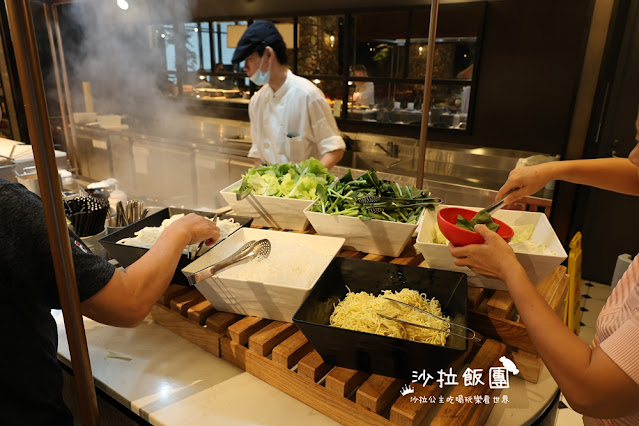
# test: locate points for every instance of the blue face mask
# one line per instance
(260, 77)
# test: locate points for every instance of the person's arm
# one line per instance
(613, 174)
(130, 294)
(330, 159)
(591, 382)
(257, 162)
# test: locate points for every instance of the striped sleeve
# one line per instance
(623, 347)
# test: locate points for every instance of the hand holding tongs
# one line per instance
(490, 209)
(193, 254)
(474, 336)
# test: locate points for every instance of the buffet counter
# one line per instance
(166, 380)
(172, 368)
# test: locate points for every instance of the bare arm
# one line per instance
(130, 294)
(592, 383)
(330, 159)
(257, 162)
(613, 174)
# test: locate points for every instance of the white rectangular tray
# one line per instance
(271, 288)
(272, 212)
(538, 266)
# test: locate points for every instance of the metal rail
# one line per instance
(58, 81)
(428, 83)
(31, 83)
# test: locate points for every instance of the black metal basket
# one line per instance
(374, 353)
(126, 255)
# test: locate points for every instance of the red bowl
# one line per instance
(447, 218)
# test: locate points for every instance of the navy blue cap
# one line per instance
(259, 33)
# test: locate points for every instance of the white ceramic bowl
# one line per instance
(372, 236)
(271, 288)
(537, 265)
(272, 212)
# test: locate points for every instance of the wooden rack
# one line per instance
(279, 354)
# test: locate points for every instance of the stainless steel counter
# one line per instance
(186, 162)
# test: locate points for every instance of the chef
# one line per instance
(364, 90)
(290, 117)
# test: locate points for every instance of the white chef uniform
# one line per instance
(292, 124)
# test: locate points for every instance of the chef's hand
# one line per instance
(494, 259)
(529, 179)
(197, 229)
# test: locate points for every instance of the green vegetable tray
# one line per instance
(371, 236)
(268, 211)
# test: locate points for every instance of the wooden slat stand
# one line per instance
(279, 354)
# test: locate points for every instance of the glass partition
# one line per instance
(370, 65)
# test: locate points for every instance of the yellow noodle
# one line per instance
(358, 311)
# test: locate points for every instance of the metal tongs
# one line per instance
(386, 203)
(474, 336)
(373, 199)
(253, 249)
(491, 208)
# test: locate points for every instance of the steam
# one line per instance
(121, 54)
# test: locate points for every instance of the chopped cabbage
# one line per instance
(287, 180)
(522, 232)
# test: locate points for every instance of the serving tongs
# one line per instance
(492, 208)
(243, 192)
(259, 249)
(474, 336)
(373, 199)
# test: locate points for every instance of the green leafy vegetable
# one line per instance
(340, 198)
(482, 217)
(288, 180)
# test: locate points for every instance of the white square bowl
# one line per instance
(372, 236)
(272, 288)
(268, 211)
(538, 266)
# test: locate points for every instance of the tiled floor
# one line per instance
(593, 297)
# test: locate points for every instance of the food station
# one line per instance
(268, 317)
(245, 333)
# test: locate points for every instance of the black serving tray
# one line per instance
(126, 255)
(373, 353)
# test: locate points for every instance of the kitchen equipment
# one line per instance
(127, 212)
(87, 215)
(273, 288)
(28, 178)
(492, 208)
(473, 337)
(372, 236)
(91, 242)
(249, 251)
(274, 212)
(540, 254)
(16, 156)
(381, 208)
(126, 255)
(447, 218)
(374, 353)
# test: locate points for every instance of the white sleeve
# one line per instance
(325, 132)
(254, 152)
